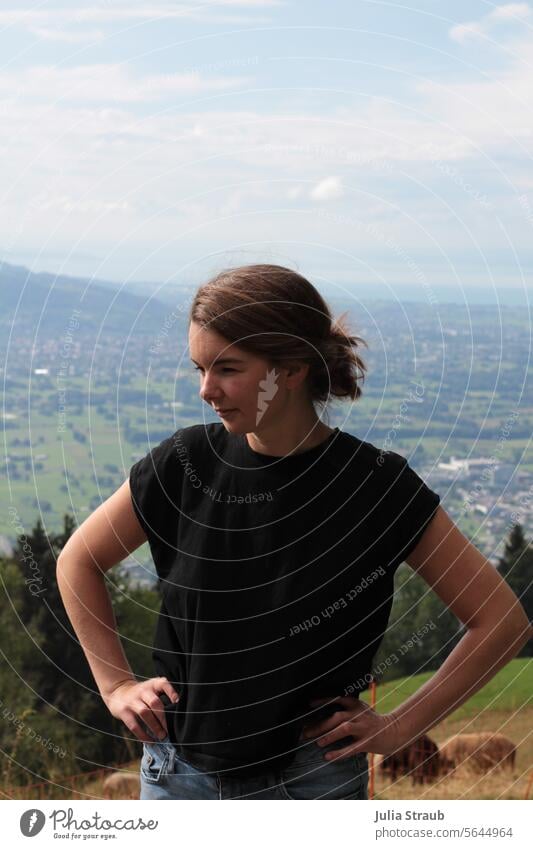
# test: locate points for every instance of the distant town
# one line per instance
(89, 389)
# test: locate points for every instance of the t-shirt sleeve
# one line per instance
(155, 494)
(408, 506)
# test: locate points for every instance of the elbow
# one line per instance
(511, 624)
(61, 571)
(64, 572)
(61, 564)
(72, 565)
(520, 621)
(526, 631)
(517, 630)
(524, 634)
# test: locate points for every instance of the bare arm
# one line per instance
(105, 538)
(497, 626)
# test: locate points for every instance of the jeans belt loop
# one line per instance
(172, 757)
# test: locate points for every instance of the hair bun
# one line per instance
(277, 314)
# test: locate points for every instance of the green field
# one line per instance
(502, 706)
(509, 690)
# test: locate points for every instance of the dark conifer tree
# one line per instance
(516, 566)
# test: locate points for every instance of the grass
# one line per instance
(465, 783)
(509, 690)
(503, 705)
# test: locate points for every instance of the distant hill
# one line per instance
(16, 277)
(43, 301)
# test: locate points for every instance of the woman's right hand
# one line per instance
(132, 701)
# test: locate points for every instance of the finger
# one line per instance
(324, 726)
(317, 704)
(346, 709)
(341, 730)
(138, 732)
(346, 752)
(165, 685)
(150, 720)
(131, 723)
(157, 709)
(351, 711)
(154, 701)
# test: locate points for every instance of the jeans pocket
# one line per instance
(361, 767)
(155, 762)
(309, 776)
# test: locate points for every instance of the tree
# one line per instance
(516, 566)
(421, 633)
(44, 668)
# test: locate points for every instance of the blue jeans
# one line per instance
(165, 775)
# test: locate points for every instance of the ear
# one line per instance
(297, 372)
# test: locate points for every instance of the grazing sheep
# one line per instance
(420, 759)
(482, 750)
(122, 785)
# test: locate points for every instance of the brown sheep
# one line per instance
(424, 760)
(482, 750)
(122, 785)
(420, 759)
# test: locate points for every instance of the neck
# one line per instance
(288, 437)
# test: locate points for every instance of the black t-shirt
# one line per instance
(277, 578)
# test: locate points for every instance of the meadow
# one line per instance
(503, 705)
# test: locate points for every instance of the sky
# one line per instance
(357, 142)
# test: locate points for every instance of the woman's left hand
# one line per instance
(372, 732)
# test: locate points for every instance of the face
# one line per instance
(249, 392)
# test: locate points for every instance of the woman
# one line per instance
(276, 539)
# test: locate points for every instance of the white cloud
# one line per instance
(493, 114)
(510, 12)
(89, 83)
(68, 204)
(329, 188)
(116, 12)
(77, 152)
(461, 32)
(67, 36)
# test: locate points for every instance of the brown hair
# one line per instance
(275, 313)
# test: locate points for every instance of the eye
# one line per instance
(226, 368)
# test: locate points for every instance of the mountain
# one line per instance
(45, 303)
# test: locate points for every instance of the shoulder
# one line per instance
(386, 464)
(388, 473)
(377, 457)
(197, 437)
(191, 444)
(190, 436)
(369, 459)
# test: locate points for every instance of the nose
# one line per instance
(209, 390)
